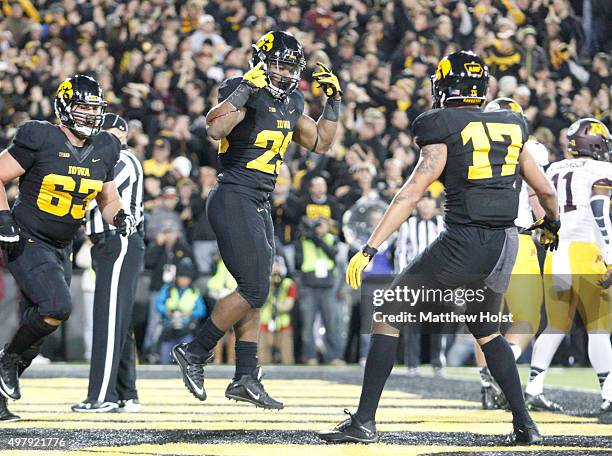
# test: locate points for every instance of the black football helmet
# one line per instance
(589, 138)
(274, 49)
(77, 92)
(461, 78)
(504, 103)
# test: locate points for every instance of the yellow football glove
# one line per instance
(327, 81)
(256, 77)
(549, 238)
(357, 264)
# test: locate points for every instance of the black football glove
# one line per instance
(125, 223)
(549, 238)
(606, 281)
(9, 233)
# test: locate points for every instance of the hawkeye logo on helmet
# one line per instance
(65, 90)
(474, 69)
(444, 68)
(265, 44)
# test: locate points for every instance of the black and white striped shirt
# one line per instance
(415, 235)
(129, 181)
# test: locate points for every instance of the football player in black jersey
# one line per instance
(477, 156)
(61, 168)
(258, 115)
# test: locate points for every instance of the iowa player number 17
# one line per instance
(481, 134)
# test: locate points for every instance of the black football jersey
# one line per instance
(60, 179)
(481, 169)
(251, 155)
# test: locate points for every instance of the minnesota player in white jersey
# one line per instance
(573, 274)
(525, 293)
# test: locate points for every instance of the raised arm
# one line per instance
(318, 136)
(222, 118)
(429, 167)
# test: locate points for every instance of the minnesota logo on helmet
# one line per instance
(590, 138)
(283, 59)
(504, 103)
(460, 78)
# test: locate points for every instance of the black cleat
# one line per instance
(249, 389)
(9, 375)
(497, 395)
(351, 430)
(89, 406)
(192, 367)
(541, 403)
(5, 415)
(527, 434)
(606, 406)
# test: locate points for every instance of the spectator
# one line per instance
(162, 258)
(164, 213)
(316, 261)
(276, 334)
(180, 307)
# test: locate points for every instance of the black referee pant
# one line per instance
(117, 262)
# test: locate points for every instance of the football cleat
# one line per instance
(89, 406)
(541, 403)
(606, 406)
(129, 406)
(9, 375)
(5, 415)
(250, 389)
(192, 367)
(497, 395)
(351, 430)
(527, 434)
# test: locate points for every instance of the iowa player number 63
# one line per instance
(60, 202)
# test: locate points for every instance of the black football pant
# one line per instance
(42, 273)
(117, 262)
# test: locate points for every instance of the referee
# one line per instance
(117, 262)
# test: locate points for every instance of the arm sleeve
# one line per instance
(600, 206)
(430, 128)
(28, 140)
(227, 87)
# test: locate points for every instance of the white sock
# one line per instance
(543, 351)
(516, 350)
(600, 355)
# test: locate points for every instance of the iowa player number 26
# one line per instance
(481, 135)
(279, 141)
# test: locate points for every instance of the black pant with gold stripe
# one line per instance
(117, 262)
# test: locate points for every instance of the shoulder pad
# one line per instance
(32, 134)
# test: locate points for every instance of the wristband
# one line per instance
(239, 97)
(331, 111)
(369, 251)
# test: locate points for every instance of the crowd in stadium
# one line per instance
(160, 63)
